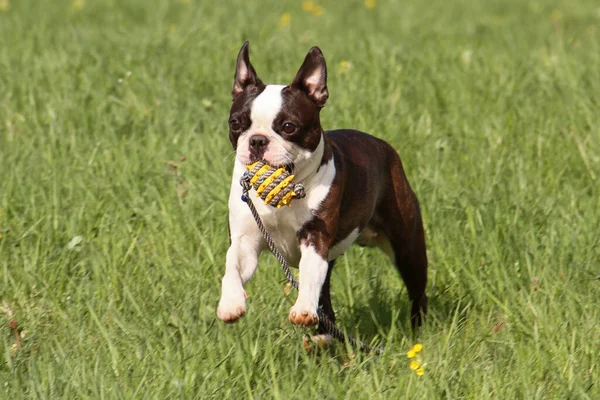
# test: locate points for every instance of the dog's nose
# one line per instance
(258, 142)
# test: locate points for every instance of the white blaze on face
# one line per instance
(266, 107)
(263, 112)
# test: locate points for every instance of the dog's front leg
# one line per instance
(240, 264)
(313, 272)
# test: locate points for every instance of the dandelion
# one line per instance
(416, 364)
(344, 66)
(4, 5)
(308, 6)
(412, 353)
(78, 5)
(312, 8)
(285, 20)
(370, 4)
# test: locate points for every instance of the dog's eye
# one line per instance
(235, 125)
(288, 127)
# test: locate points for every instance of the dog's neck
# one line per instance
(308, 168)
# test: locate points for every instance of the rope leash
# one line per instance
(298, 192)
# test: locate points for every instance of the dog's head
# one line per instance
(278, 123)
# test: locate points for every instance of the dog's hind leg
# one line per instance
(404, 229)
(412, 265)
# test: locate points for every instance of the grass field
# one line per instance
(114, 177)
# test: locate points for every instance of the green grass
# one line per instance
(493, 105)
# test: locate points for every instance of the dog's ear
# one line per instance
(312, 77)
(245, 75)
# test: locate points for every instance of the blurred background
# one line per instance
(115, 173)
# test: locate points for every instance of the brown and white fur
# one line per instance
(356, 191)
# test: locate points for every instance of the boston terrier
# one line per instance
(356, 191)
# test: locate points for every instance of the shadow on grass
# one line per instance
(375, 317)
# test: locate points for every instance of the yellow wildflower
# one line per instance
(313, 8)
(415, 364)
(172, 29)
(370, 4)
(186, 2)
(78, 5)
(286, 19)
(4, 5)
(344, 66)
(308, 6)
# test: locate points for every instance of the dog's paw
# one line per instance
(318, 342)
(232, 307)
(322, 340)
(303, 316)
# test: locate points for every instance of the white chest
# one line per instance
(283, 224)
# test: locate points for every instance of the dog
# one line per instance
(356, 191)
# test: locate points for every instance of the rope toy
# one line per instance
(273, 185)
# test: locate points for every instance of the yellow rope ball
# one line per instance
(274, 185)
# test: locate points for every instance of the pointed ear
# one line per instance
(312, 77)
(245, 75)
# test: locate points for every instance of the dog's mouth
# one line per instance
(289, 167)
